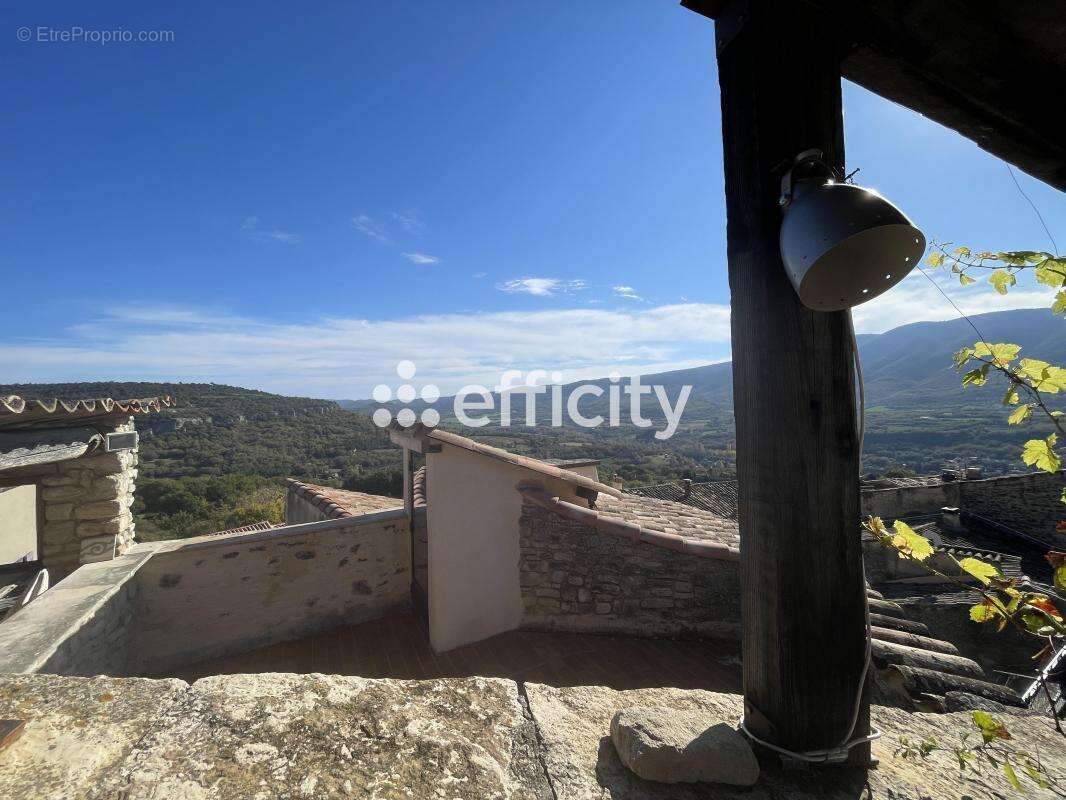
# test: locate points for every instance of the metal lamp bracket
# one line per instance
(808, 164)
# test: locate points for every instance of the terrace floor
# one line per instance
(398, 647)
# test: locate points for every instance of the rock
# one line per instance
(325, 736)
(77, 730)
(963, 701)
(582, 764)
(671, 746)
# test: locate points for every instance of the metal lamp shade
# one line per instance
(843, 245)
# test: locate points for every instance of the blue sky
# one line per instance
(297, 197)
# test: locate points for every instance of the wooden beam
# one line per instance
(794, 397)
(987, 70)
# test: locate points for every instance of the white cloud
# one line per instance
(281, 236)
(370, 228)
(410, 221)
(916, 299)
(421, 258)
(346, 357)
(251, 224)
(541, 287)
(479, 275)
(627, 291)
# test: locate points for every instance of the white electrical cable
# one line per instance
(840, 753)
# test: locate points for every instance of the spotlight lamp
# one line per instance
(842, 244)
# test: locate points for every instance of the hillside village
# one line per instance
(572, 553)
(586, 584)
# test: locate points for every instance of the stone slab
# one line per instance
(285, 735)
(77, 731)
(582, 764)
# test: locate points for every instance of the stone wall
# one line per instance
(574, 578)
(1029, 503)
(219, 595)
(83, 499)
(80, 627)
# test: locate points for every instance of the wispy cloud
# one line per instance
(410, 221)
(541, 287)
(479, 275)
(346, 357)
(421, 258)
(258, 234)
(916, 299)
(627, 292)
(370, 228)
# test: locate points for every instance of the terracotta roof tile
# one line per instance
(656, 522)
(14, 410)
(255, 526)
(337, 503)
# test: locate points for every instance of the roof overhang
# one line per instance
(992, 71)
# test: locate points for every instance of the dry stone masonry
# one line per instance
(574, 578)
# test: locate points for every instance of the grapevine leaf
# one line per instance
(1059, 306)
(962, 252)
(910, 543)
(983, 612)
(962, 357)
(976, 377)
(1002, 353)
(1051, 272)
(981, 570)
(990, 727)
(1040, 453)
(965, 280)
(1011, 397)
(1002, 280)
(1020, 415)
(1008, 770)
(1044, 604)
(935, 260)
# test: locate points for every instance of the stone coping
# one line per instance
(286, 735)
(230, 539)
(33, 635)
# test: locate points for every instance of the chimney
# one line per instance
(948, 476)
(686, 484)
(973, 473)
(951, 519)
(617, 483)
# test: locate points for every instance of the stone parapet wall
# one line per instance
(82, 498)
(574, 578)
(215, 596)
(1029, 503)
(80, 627)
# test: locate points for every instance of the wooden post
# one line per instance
(794, 393)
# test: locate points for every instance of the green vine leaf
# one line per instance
(1040, 453)
(1051, 272)
(910, 543)
(1002, 280)
(983, 612)
(976, 377)
(1002, 353)
(981, 570)
(990, 727)
(1020, 415)
(935, 260)
(1008, 770)
(1059, 306)
(965, 280)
